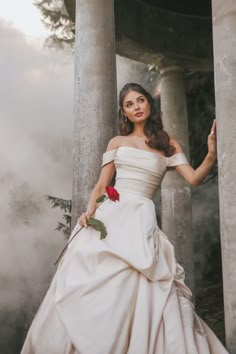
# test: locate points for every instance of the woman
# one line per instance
(126, 293)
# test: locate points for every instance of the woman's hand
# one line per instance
(212, 146)
(83, 219)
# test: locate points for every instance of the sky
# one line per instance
(24, 16)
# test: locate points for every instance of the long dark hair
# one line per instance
(153, 128)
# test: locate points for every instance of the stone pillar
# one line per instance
(224, 40)
(95, 95)
(176, 203)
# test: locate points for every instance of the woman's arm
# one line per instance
(104, 180)
(195, 177)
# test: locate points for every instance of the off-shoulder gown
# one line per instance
(124, 294)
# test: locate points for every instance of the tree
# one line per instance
(56, 19)
(65, 206)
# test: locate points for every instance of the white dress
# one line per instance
(124, 294)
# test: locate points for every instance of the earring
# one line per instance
(125, 119)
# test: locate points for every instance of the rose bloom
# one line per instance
(112, 193)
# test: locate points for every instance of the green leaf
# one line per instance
(101, 199)
(98, 226)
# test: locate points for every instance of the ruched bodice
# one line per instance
(140, 171)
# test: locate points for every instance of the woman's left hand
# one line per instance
(212, 146)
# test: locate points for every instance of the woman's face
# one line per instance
(136, 107)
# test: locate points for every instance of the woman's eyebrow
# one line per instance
(128, 101)
(136, 99)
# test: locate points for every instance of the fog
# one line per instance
(36, 127)
(36, 120)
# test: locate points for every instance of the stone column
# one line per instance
(224, 40)
(95, 95)
(175, 191)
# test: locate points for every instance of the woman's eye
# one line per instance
(128, 105)
(141, 100)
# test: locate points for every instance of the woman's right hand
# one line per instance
(83, 219)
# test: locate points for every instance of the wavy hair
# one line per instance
(153, 128)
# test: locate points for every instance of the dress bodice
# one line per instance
(140, 171)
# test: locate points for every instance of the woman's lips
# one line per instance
(139, 114)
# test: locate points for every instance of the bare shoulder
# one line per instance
(115, 142)
(176, 144)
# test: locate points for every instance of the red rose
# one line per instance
(112, 193)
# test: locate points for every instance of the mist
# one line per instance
(36, 129)
(36, 122)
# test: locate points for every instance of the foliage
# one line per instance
(56, 19)
(201, 112)
(65, 206)
(99, 226)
